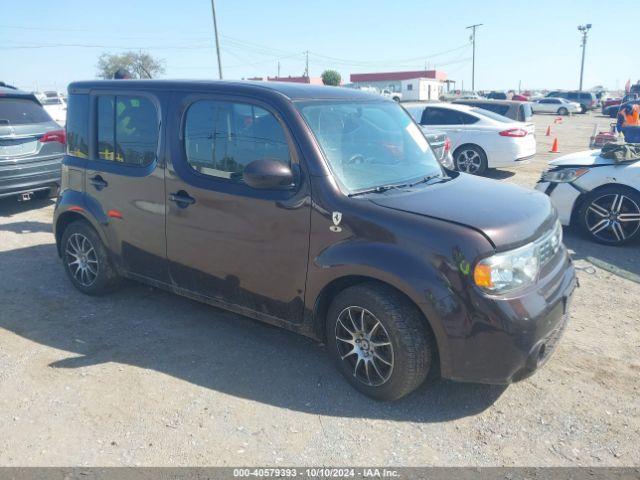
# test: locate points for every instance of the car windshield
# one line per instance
(370, 144)
(492, 115)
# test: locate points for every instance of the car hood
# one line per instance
(581, 159)
(507, 215)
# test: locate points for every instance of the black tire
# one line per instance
(99, 276)
(600, 207)
(563, 111)
(583, 109)
(411, 349)
(464, 159)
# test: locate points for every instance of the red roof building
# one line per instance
(397, 76)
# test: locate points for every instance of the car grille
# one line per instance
(549, 244)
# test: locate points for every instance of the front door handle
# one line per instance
(98, 182)
(182, 199)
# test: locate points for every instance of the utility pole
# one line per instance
(584, 29)
(278, 68)
(473, 61)
(215, 31)
(306, 68)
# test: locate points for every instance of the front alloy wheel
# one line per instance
(613, 217)
(364, 345)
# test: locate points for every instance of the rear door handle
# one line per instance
(182, 199)
(98, 182)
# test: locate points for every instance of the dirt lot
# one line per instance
(143, 377)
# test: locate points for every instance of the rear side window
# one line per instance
(21, 111)
(499, 109)
(78, 126)
(526, 112)
(221, 138)
(127, 129)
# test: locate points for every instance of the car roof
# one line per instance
(14, 92)
(290, 90)
(489, 101)
(453, 106)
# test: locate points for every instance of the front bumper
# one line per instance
(563, 196)
(29, 177)
(508, 339)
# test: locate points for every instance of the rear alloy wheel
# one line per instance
(86, 261)
(612, 216)
(379, 341)
(563, 111)
(470, 159)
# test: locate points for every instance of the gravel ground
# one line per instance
(143, 377)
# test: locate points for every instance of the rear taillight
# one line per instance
(447, 144)
(514, 132)
(54, 136)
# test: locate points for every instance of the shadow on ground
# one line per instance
(11, 206)
(623, 261)
(215, 349)
(498, 174)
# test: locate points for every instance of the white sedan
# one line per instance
(480, 139)
(558, 106)
(598, 194)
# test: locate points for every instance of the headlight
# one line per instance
(517, 268)
(564, 175)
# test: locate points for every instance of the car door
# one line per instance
(548, 105)
(445, 119)
(124, 179)
(244, 248)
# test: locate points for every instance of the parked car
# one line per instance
(497, 95)
(441, 145)
(519, 98)
(599, 195)
(610, 106)
(31, 146)
(480, 139)
(396, 96)
(587, 100)
(557, 106)
(55, 105)
(514, 110)
(321, 210)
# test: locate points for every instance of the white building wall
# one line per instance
(421, 89)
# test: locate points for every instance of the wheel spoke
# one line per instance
(375, 367)
(373, 329)
(386, 362)
(349, 353)
(598, 210)
(629, 217)
(601, 225)
(353, 322)
(366, 370)
(617, 230)
(355, 368)
(352, 333)
(617, 203)
(379, 344)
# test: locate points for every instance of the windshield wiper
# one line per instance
(380, 189)
(426, 179)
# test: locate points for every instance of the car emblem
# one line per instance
(337, 218)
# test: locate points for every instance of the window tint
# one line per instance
(106, 135)
(499, 109)
(572, 95)
(490, 114)
(78, 126)
(440, 116)
(21, 111)
(221, 138)
(127, 129)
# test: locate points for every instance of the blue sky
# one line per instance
(47, 44)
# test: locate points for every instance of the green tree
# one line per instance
(331, 77)
(138, 64)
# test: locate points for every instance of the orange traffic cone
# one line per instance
(548, 134)
(554, 147)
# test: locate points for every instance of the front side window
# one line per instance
(440, 116)
(370, 144)
(222, 138)
(127, 129)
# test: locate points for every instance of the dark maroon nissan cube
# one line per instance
(321, 210)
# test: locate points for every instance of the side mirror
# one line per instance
(266, 173)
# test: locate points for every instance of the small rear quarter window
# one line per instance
(78, 125)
